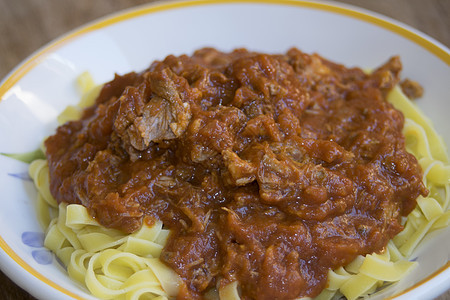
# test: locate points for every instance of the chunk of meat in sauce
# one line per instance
(268, 169)
(411, 88)
(153, 111)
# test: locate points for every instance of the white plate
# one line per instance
(37, 90)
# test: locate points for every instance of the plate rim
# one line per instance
(423, 40)
(10, 259)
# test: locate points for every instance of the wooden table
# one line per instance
(26, 25)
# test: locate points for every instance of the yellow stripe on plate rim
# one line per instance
(38, 57)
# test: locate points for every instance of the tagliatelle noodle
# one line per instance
(434, 142)
(230, 292)
(46, 205)
(89, 92)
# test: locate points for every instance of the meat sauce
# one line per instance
(268, 169)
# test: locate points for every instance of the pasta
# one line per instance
(114, 265)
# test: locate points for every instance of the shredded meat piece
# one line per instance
(411, 88)
(154, 111)
(242, 172)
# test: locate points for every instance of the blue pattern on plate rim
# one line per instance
(34, 239)
(42, 256)
(21, 175)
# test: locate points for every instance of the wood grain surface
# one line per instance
(27, 25)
